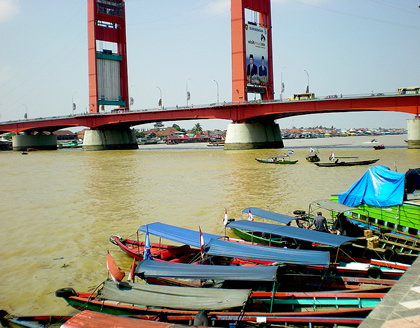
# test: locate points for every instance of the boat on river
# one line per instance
(218, 248)
(395, 210)
(81, 319)
(379, 147)
(337, 162)
(277, 160)
(180, 304)
(313, 158)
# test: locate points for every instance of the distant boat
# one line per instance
(277, 160)
(349, 163)
(313, 158)
(377, 147)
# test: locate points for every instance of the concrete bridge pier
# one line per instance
(22, 142)
(413, 127)
(107, 139)
(255, 135)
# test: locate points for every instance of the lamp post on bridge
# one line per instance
(188, 93)
(217, 92)
(307, 87)
(282, 85)
(26, 112)
(73, 105)
(160, 102)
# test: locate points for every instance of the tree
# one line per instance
(197, 129)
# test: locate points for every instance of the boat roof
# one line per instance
(277, 217)
(240, 250)
(333, 206)
(217, 247)
(152, 268)
(174, 297)
(291, 232)
(177, 234)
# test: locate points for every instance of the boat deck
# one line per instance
(401, 306)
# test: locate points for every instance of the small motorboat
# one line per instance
(277, 160)
(313, 158)
(378, 147)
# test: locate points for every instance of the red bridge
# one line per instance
(252, 73)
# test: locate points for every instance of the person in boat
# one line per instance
(320, 223)
(201, 319)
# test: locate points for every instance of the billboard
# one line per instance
(256, 55)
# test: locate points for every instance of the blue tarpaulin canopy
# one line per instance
(379, 186)
(291, 232)
(219, 247)
(177, 234)
(215, 246)
(277, 217)
(151, 268)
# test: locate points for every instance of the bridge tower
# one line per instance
(108, 77)
(108, 72)
(252, 73)
(251, 41)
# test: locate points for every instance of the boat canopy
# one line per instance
(277, 217)
(174, 297)
(239, 250)
(177, 234)
(152, 268)
(291, 232)
(215, 246)
(379, 186)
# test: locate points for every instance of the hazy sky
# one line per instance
(346, 46)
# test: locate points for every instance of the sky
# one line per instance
(349, 47)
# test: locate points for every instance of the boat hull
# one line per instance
(350, 163)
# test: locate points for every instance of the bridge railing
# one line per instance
(331, 97)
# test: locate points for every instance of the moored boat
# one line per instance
(337, 162)
(277, 160)
(395, 210)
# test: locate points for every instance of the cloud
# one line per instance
(9, 9)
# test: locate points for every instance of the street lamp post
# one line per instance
(73, 105)
(188, 93)
(160, 99)
(282, 85)
(217, 84)
(307, 87)
(26, 111)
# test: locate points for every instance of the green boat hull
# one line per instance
(402, 219)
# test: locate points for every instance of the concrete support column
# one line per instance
(260, 135)
(109, 139)
(413, 127)
(38, 141)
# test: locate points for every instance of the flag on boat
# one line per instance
(291, 152)
(133, 268)
(201, 242)
(146, 253)
(250, 217)
(225, 220)
(116, 273)
(331, 158)
(311, 150)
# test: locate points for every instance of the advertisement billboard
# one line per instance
(256, 55)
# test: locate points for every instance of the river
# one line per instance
(59, 208)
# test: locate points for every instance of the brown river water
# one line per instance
(59, 208)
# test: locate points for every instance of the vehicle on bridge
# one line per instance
(409, 90)
(301, 96)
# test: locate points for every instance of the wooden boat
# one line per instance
(180, 304)
(83, 319)
(378, 147)
(218, 248)
(387, 247)
(277, 160)
(398, 217)
(348, 163)
(313, 158)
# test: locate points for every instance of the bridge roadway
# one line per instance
(251, 111)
